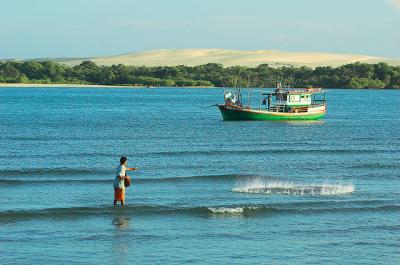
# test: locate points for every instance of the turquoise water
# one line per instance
(207, 191)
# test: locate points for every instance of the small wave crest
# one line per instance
(184, 153)
(56, 180)
(376, 166)
(52, 172)
(313, 207)
(264, 186)
(17, 182)
(232, 210)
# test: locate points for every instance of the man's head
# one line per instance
(123, 160)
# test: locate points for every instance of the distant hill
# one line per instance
(191, 57)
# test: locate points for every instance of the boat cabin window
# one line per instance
(294, 98)
(297, 99)
(281, 97)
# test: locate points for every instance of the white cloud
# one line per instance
(394, 3)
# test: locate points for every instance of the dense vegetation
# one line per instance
(356, 75)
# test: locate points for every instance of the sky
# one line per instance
(88, 28)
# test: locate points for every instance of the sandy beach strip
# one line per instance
(64, 85)
(25, 85)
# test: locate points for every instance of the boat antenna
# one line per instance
(248, 81)
(279, 84)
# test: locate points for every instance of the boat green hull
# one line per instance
(229, 114)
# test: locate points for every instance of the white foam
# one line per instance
(222, 210)
(226, 210)
(333, 189)
(262, 185)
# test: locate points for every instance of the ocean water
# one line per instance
(208, 191)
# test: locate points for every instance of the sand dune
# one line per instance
(190, 57)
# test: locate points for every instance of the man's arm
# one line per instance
(132, 168)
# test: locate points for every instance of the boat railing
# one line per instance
(277, 108)
(299, 109)
(292, 109)
(273, 101)
(318, 104)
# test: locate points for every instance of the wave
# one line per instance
(204, 211)
(15, 182)
(288, 209)
(52, 172)
(136, 180)
(263, 186)
(216, 153)
(234, 210)
(190, 178)
(375, 165)
(271, 151)
(244, 183)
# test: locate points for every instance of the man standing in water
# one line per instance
(119, 181)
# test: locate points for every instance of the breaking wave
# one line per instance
(263, 186)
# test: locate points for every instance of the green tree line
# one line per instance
(356, 75)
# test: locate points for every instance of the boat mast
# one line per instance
(249, 93)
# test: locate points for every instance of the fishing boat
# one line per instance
(282, 104)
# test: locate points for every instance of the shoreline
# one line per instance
(63, 85)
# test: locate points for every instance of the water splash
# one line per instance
(264, 186)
